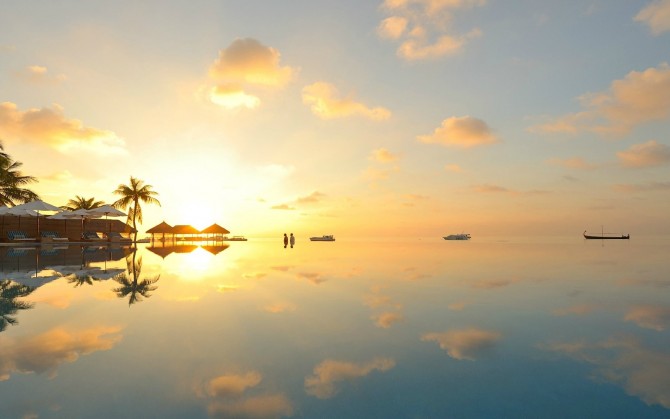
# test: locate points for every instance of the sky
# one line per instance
(356, 118)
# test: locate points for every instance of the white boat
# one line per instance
(235, 239)
(327, 238)
(462, 236)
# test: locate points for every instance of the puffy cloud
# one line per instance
(382, 155)
(249, 61)
(420, 49)
(45, 352)
(647, 154)
(649, 317)
(227, 393)
(387, 319)
(656, 15)
(462, 132)
(324, 101)
(51, 127)
(463, 344)
(329, 372)
(232, 384)
(245, 64)
(638, 98)
(641, 372)
(424, 27)
(573, 163)
(231, 96)
(392, 27)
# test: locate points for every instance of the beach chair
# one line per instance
(19, 237)
(52, 237)
(92, 236)
(115, 237)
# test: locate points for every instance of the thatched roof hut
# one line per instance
(215, 229)
(160, 228)
(184, 229)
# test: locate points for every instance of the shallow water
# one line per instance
(397, 328)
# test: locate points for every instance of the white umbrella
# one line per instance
(107, 211)
(21, 212)
(38, 206)
(83, 213)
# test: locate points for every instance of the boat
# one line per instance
(462, 236)
(326, 238)
(235, 239)
(607, 236)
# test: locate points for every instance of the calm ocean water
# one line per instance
(365, 328)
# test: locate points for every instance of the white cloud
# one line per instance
(249, 61)
(656, 15)
(382, 155)
(463, 344)
(49, 126)
(325, 102)
(424, 28)
(647, 154)
(463, 132)
(330, 372)
(638, 98)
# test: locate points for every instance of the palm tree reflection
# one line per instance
(9, 293)
(81, 279)
(133, 287)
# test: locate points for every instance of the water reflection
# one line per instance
(522, 328)
(131, 285)
(10, 292)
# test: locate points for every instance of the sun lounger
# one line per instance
(92, 236)
(52, 237)
(19, 236)
(115, 237)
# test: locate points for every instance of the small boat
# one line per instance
(327, 238)
(235, 239)
(607, 236)
(462, 236)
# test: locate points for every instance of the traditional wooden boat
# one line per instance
(607, 236)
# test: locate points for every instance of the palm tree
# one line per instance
(13, 182)
(80, 202)
(9, 292)
(131, 197)
(136, 289)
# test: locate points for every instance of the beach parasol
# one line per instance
(83, 213)
(37, 206)
(107, 211)
(20, 212)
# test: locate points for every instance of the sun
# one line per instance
(198, 215)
